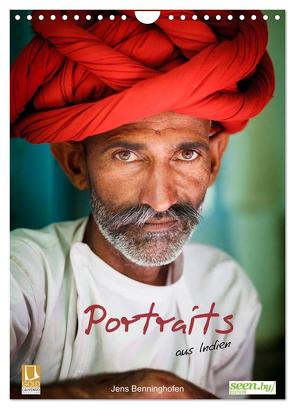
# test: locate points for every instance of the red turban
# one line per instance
(77, 79)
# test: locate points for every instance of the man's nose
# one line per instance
(159, 191)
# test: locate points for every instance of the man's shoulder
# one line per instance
(61, 232)
(215, 271)
(47, 244)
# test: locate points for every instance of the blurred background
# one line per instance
(243, 212)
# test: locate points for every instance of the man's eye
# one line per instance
(126, 156)
(187, 155)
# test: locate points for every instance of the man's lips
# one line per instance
(160, 224)
(164, 220)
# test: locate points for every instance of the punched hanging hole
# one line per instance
(147, 17)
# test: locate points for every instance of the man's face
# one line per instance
(148, 181)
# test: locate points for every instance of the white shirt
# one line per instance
(55, 277)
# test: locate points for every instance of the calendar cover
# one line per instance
(147, 204)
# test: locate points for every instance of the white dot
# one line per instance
(277, 17)
(147, 16)
(88, 17)
(182, 17)
(242, 17)
(29, 17)
(194, 17)
(171, 17)
(206, 17)
(218, 17)
(41, 17)
(64, 17)
(53, 17)
(229, 17)
(76, 16)
(253, 17)
(17, 17)
(123, 17)
(265, 17)
(100, 17)
(112, 17)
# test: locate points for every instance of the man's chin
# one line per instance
(151, 253)
(148, 248)
(154, 260)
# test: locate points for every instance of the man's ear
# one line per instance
(217, 146)
(72, 159)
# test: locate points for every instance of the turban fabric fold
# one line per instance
(77, 79)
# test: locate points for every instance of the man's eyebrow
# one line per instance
(134, 145)
(124, 144)
(193, 145)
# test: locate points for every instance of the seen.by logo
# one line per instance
(31, 380)
(252, 387)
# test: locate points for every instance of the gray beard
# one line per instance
(123, 229)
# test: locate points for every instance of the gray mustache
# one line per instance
(139, 215)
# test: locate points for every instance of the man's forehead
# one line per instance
(158, 125)
(173, 120)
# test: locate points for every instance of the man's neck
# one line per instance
(104, 250)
